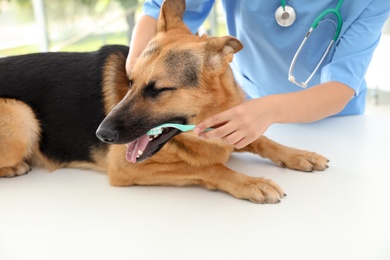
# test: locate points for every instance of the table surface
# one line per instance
(342, 213)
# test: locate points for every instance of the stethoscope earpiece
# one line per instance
(285, 16)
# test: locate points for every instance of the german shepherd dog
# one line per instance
(51, 105)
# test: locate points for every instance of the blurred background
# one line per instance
(77, 25)
(28, 26)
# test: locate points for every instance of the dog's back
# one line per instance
(64, 91)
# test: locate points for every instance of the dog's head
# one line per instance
(179, 78)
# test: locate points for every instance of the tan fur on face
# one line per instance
(208, 55)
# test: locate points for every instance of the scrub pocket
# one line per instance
(317, 44)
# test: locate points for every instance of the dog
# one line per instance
(51, 105)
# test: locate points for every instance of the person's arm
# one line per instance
(246, 122)
(143, 32)
(312, 104)
(341, 79)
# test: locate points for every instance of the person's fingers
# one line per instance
(233, 137)
(215, 121)
(218, 132)
(242, 143)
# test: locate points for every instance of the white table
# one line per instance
(342, 213)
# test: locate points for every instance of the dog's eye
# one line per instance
(130, 83)
(152, 91)
(166, 89)
(157, 91)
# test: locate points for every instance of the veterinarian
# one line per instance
(278, 76)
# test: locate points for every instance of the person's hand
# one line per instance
(240, 125)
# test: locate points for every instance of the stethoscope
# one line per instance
(285, 16)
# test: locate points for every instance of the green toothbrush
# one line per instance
(184, 128)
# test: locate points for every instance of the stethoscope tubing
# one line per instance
(336, 12)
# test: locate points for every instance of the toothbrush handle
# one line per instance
(191, 127)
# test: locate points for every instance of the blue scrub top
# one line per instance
(261, 68)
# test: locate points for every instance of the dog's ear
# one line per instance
(219, 52)
(171, 15)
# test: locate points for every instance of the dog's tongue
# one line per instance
(134, 147)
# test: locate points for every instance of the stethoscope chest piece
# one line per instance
(285, 16)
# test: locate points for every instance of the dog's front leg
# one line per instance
(179, 173)
(285, 156)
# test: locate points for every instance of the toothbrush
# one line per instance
(184, 128)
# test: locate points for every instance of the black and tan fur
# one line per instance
(52, 103)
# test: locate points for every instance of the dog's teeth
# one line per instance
(140, 153)
(155, 136)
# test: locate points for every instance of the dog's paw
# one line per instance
(260, 190)
(21, 168)
(304, 161)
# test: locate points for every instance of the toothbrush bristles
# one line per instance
(155, 131)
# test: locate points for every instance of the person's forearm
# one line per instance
(311, 104)
(244, 123)
(143, 32)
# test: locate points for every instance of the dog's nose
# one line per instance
(107, 135)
